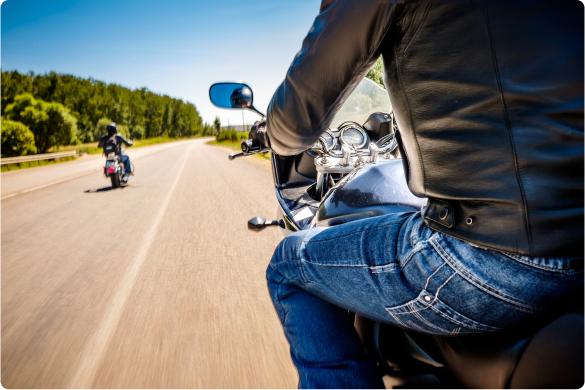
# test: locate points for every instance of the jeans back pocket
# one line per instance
(428, 314)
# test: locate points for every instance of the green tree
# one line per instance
(16, 109)
(17, 139)
(123, 130)
(100, 128)
(207, 129)
(217, 125)
(377, 72)
(13, 84)
(137, 132)
(59, 129)
(51, 123)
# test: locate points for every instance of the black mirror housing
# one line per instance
(233, 95)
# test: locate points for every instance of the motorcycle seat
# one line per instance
(550, 357)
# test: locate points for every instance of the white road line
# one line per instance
(96, 347)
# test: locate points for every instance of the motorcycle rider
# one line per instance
(117, 140)
(488, 96)
(241, 97)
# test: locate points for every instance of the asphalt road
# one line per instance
(158, 284)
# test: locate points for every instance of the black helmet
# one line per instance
(112, 129)
(241, 97)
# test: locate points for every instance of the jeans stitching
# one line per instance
(397, 319)
(522, 260)
(378, 269)
(431, 275)
(408, 305)
(463, 321)
(397, 309)
(416, 249)
(278, 301)
(336, 265)
(411, 326)
(369, 227)
(414, 237)
(443, 285)
(304, 278)
(442, 309)
(425, 305)
(476, 282)
(416, 314)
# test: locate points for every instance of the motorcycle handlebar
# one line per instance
(249, 147)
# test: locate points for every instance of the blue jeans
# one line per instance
(126, 161)
(395, 269)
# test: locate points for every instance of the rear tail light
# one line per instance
(111, 169)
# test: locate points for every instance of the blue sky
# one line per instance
(177, 47)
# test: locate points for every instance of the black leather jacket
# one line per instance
(116, 140)
(488, 96)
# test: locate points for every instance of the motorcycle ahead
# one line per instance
(114, 168)
(354, 171)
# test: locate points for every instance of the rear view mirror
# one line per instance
(259, 223)
(231, 95)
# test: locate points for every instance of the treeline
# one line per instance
(63, 109)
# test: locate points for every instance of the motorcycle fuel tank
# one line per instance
(373, 190)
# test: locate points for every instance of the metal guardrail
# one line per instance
(37, 157)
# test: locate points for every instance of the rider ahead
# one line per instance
(114, 140)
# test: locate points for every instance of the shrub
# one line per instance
(17, 139)
(137, 132)
(231, 135)
(51, 123)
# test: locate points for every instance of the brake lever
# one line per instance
(233, 156)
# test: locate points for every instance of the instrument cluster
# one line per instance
(349, 146)
(349, 133)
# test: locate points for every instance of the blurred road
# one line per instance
(158, 284)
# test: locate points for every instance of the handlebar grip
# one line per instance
(248, 146)
(233, 156)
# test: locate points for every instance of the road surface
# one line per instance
(158, 284)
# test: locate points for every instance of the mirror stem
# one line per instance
(256, 111)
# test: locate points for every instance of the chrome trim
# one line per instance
(357, 127)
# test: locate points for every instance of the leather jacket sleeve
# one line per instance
(341, 46)
(124, 140)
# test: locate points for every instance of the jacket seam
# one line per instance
(357, 71)
(410, 119)
(508, 124)
(419, 28)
